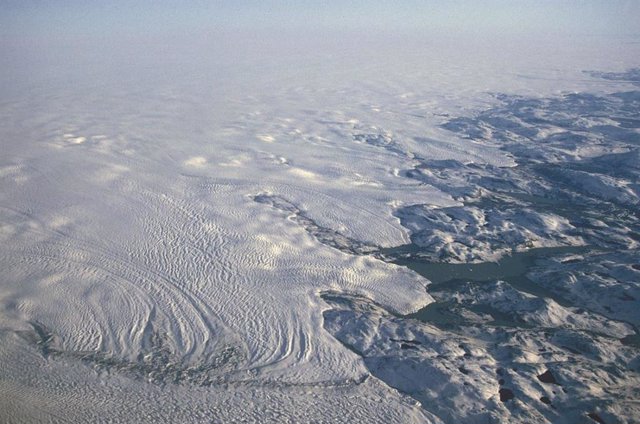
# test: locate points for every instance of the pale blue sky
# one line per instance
(83, 17)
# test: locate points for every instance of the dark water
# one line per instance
(512, 269)
(509, 267)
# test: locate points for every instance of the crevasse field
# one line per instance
(297, 228)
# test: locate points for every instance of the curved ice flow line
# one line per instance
(125, 270)
(263, 360)
(287, 344)
(286, 349)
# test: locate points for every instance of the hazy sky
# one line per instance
(49, 18)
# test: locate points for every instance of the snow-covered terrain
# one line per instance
(247, 236)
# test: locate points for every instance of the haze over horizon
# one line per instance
(71, 18)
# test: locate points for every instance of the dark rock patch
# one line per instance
(547, 377)
(595, 417)
(406, 346)
(627, 297)
(506, 394)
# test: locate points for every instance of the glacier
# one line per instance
(272, 234)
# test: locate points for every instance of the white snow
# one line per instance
(138, 269)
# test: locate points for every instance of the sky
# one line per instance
(85, 18)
